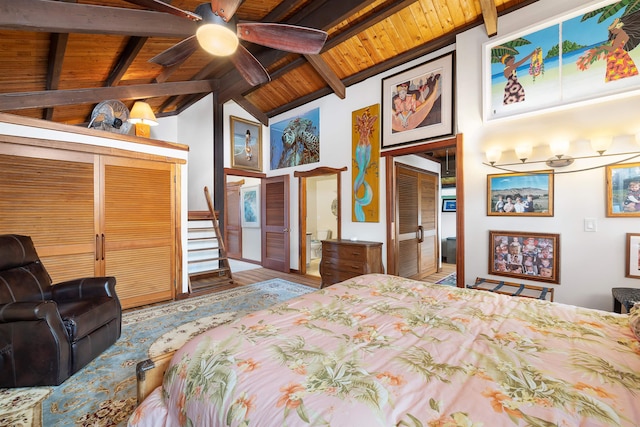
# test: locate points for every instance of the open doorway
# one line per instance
(319, 214)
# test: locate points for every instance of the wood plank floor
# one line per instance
(246, 277)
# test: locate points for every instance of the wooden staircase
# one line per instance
(207, 256)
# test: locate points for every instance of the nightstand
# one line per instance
(622, 298)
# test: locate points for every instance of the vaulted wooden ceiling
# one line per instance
(58, 59)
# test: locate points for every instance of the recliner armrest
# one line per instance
(87, 287)
(29, 310)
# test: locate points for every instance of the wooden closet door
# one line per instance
(417, 222)
(139, 224)
(275, 223)
(232, 220)
(49, 195)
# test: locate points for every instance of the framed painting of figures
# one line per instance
(417, 104)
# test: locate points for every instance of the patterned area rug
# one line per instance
(449, 280)
(103, 393)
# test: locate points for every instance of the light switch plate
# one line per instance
(590, 225)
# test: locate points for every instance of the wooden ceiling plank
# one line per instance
(19, 101)
(65, 17)
(490, 16)
(327, 75)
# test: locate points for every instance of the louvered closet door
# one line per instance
(49, 195)
(417, 222)
(139, 224)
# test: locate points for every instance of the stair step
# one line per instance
(196, 261)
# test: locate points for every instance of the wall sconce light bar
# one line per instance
(563, 161)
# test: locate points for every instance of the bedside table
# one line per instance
(622, 297)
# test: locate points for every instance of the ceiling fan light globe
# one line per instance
(217, 40)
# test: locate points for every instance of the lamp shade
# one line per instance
(559, 147)
(523, 151)
(142, 113)
(215, 35)
(600, 144)
(493, 155)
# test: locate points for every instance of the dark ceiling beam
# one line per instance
(327, 75)
(57, 49)
(24, 100)
(126, 58)
(490, 16)
(252, 109)
(64, 17)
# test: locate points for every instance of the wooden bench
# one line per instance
(513, 289)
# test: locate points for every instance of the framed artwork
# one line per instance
(563, 61)
(417, 104)
(528, 256)
(623, 190)
(365, 152)
(295, 141)
(448, 205)
(633, 255)
(246, 144)
(250, 206)
(520, 194)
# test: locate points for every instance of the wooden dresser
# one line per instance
(344, 259)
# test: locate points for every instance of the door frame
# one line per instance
(302, 207)
(457, 142)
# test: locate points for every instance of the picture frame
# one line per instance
(633, 255)
(418, 103)
(250, 206)
(525, 255)
(448, 205)
(246, 144)
(530, 62)
(623, 189)
(295, 141)
(534, 189)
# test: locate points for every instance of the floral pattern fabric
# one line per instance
(380, 350)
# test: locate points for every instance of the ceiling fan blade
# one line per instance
(290, 38)
(225, 8)
(161, 6)
(249, 67)
(178, 53)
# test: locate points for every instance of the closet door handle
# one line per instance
(97, 247)
(103, 246)
(420, 234)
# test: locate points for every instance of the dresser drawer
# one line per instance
(344, 252)
(330, 277)
(341, 264)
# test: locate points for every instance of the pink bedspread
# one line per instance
(379, 350)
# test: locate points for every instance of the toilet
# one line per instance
(316, 245)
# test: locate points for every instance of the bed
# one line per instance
(379, 350)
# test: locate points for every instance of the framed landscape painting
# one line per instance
(520, 194)
(527, 256)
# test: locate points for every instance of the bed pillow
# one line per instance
(634, 319)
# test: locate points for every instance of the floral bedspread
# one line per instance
(379, 350)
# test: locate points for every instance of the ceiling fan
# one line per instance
(219, 31)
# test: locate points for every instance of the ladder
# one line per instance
(208, 263)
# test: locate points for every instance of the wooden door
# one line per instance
(49, 195)
(139, 222)
(275, 223)
(417, 223)
(232, 220)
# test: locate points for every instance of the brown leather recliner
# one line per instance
(49, 332)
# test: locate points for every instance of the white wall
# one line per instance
(590, 263)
